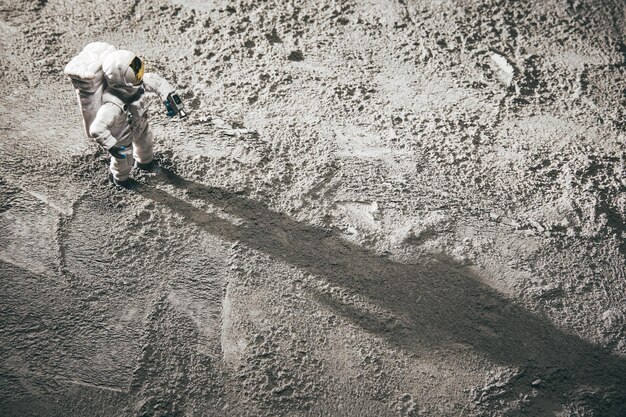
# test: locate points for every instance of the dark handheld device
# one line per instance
(174, 106)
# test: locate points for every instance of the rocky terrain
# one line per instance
(375, 208)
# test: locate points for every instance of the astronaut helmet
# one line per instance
(123, 71)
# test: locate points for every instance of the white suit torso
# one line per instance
(120, 120)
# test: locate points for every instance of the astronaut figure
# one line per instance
(121, 123)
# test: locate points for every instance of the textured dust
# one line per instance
(375, 208)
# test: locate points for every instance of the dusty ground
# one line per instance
(428, 221)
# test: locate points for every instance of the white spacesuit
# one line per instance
(121, 123)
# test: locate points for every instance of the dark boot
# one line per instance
(147, 166)
(127, 183)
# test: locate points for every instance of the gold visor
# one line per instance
(137, 66)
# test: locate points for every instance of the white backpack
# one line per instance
(85, 73)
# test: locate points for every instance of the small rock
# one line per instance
(506, 71)
(509, 222)
(536, 225)
(495, 215)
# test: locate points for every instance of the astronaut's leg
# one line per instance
(142, 149)
(120, 168)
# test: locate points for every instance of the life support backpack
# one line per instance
(85, 73)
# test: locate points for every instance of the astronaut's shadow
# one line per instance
(434, 304)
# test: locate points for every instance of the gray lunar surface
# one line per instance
(375, 208)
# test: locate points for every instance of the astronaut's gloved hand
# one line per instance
(117, 151)
(169, 109)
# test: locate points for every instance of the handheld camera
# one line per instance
(174, 106)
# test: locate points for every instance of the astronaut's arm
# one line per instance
(100, 128)
(154, 83)
(173, 103)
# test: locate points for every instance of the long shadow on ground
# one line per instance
(434, 304)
